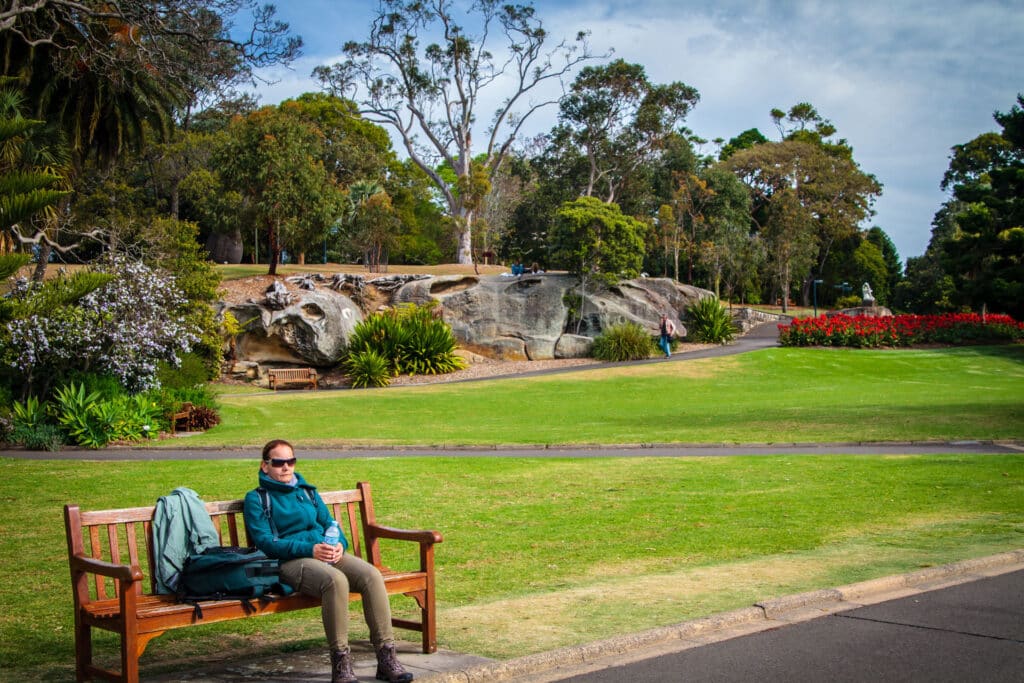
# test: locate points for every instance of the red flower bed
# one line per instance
(901, 330)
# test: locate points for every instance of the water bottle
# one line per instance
(333, 535)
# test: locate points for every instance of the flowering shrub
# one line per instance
(123, 328)
(901, 330)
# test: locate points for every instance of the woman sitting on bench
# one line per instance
(293, 532)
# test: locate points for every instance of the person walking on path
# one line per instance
(287, 520)
(667, 329)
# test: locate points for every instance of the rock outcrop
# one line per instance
(530, 317)
(538, 317)
(310, 328)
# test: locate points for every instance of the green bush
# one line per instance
(41, 437)
(94, 421)
(29, 414)
(708, 322)
(407, 339)
(381, 333)
(368, 369)
(191, 372)
(625, 341)
(427, 346)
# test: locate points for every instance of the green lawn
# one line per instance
(586, 547)
(770, 396)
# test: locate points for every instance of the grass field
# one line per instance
(771, 396)
(544, 553)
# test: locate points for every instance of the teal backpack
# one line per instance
(229, 572)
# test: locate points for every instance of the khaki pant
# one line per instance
(332, 584)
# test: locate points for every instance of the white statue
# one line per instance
(866, 293)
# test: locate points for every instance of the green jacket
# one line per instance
(300, 518)
(181, 526)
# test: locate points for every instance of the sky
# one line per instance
(903, 81)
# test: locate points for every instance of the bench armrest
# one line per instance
(418, 536)
(121, 572)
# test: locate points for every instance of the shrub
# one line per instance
(708, 322)
(625, 341)
(407, 339)
(42, 437)
(94, 421)
(427, 346)
(87, 420)
(29, 414)
(203, 418)
(368, 369)
(382, 334)
(190, 372)
(122, 328)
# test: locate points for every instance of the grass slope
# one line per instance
(770, 396)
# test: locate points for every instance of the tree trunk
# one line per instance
(275, 250)
(39, 274)
(465, 251)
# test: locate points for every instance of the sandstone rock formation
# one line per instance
(531, 317)
(537, 317)
(309, 329)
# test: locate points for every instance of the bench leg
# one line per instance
(130, 657)
(83, 652)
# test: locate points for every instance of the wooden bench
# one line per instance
(114, 589)
(279, 376)
(183, 414)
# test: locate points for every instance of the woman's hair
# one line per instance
(271, 445)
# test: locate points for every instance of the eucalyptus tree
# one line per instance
(824, 193)
(619, 121)
(431, 95)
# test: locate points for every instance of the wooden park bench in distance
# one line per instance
(285, 376)
(110, 554)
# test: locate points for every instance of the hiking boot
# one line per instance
(341, 667)
(388, 667)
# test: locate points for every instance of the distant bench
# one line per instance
(114, 594)
(279, 376)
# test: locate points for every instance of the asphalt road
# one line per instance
(969, 632)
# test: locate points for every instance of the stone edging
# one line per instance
(824, 601)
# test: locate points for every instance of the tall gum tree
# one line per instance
(619, 121)
(430, 96)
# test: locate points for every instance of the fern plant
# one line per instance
(708, 322)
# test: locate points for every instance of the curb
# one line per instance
(824, 601)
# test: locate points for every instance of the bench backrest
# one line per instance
(300, 373)
(125, 536)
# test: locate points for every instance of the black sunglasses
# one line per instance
(281, 462)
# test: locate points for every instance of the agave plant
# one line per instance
(707, 321)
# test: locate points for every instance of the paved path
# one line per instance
(538, 451)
